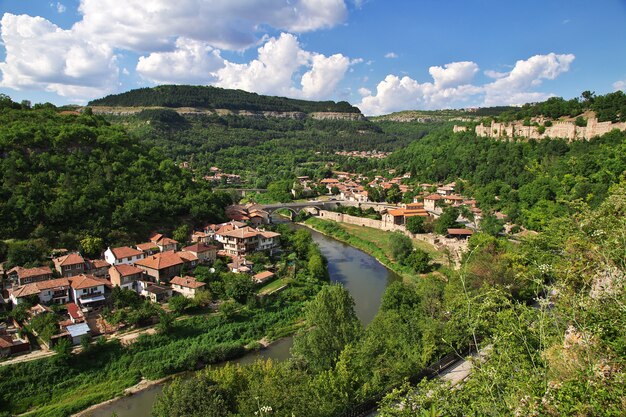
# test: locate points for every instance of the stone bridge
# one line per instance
(315, 206)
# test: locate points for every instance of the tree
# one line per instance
(195, 397)
(491, 225)
(394, 195)
(334, 190)
(239, 287)
(178, 303)
(166, 321)
(331, 325)
(419, 261)
(401, 246)
(92, 246)
(182, 233)
(415, 224)
(447, 220)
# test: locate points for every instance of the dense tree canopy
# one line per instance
(69, 178)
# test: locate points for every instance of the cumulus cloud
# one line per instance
(40, 55)
(619, 85)
(452, 86)
(277, 67)
(495, 74)
(153, 25)
(391, 55)
(192, 62)
(453, 74)
(514, 88)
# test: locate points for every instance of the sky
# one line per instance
(380, 55)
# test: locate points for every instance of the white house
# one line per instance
(88, 290)
(187, 286)
(122, 255)
(51, 291)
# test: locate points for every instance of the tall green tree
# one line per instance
(331, 325)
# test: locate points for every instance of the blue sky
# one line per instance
(383, 56)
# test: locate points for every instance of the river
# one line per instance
(360, 273)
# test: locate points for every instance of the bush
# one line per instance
(415, 224)
(401, 246)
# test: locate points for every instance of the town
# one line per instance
(80, 289)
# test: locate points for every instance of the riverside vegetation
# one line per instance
(550, 306)
(67, 383)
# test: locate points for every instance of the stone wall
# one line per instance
(563, 130)
(359, 221)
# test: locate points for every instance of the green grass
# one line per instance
(273, 286)
(374, 242)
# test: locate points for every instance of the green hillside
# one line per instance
(207, 97)
(68, 176)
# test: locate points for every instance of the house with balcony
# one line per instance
(69, 265)
(122, 255)
(88, 290)
(55, 291)
(204, 253)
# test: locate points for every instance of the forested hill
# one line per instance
(66, 176)
(207, 97)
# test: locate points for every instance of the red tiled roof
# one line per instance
(187, 256)
(156, 237)
(262, 276)
(126, 270)
(269, 235)
(99, 263)
(160, 260)
(433, 197)
(125, 252)
(83, 281)
(147, 246)
(167, 241)
(36, 287)
(329, 181)
(71, 259)
(31, 272)
(460, 232)
(200, 248)
(396, 213)
(187, 281)
(243, 233)
(74, 311)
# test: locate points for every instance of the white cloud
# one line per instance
(515, 87)
(192, 62)
(151, 26)
(453, 74)
(364, 92)
(59, 6)
(277, 67)
(40, 55)
(619, 85)
(495, 74)
(391, 55)
(452, 86)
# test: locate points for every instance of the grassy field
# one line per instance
(273, 286)
(381, 239)
(374, 242)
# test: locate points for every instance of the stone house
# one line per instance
(187, 286)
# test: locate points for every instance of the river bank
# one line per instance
(364, 276)
(339, 232)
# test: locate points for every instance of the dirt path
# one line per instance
(37, 354)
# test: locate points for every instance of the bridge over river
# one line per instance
(317, 205)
